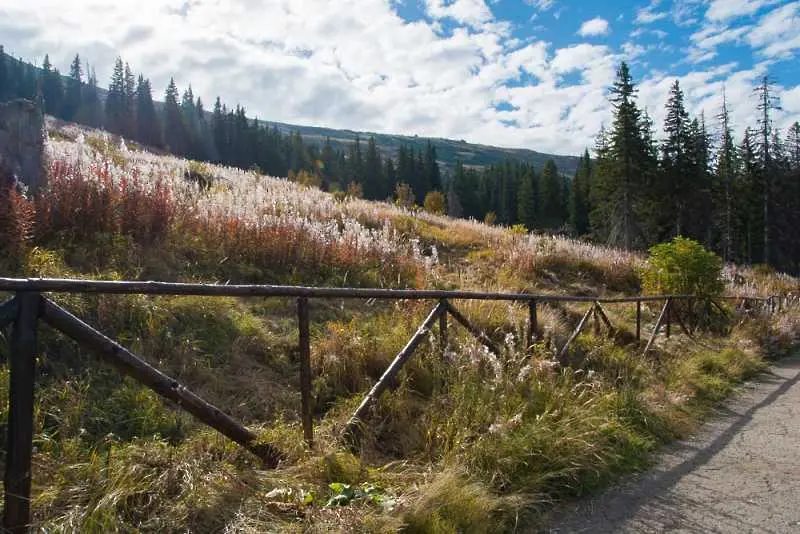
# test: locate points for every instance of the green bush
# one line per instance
(682, 266)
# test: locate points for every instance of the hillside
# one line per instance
(448, 150)
(467, 442)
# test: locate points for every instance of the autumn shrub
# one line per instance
(682, 267)
(17, 226)
(435, 203)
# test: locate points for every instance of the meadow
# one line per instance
(468, 442)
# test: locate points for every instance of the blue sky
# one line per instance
(520, 73)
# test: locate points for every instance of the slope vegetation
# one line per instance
(468, 442)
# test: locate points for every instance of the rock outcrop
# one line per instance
(22, 138)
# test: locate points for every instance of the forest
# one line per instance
(737, 193)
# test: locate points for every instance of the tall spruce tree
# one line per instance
(174, 129)
(148, 128)
(51, 87)
(579, 207)
(527, 200)
(767, 102)
(726, 170)
(115, 112)
(623, 161)
(374, 183)
(551, 213)
(73, 97)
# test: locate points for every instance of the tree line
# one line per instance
(182, 126)
(739, 198)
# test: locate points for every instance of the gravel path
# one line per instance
(740, 473)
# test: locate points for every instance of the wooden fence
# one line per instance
(28, 306)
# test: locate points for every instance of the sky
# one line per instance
(515, 73)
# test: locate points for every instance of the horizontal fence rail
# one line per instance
(24, 310)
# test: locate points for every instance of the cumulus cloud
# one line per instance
(594, 27)
(357, 64)
(721, 10)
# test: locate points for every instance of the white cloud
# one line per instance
(356, 64)
(594, 27)
(649, 14)
(777, 33)
(471, 12)
(542, 5)
(721, 10)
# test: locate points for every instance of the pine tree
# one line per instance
(526, 200)
(73, 97)
(579, 207)
(5, 78)
(793, 145)
(620, 178)
(747, 192)
(374, 184)
(675, 165)
(726, 169)
(115, 100)
(148, 129)
(767, 102)
(52, 90)
(174, 129)
(91, 110)
(433, 177)
(129, 122)
(391, 176)
(551, 215)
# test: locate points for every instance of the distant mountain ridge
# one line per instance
(448, 151)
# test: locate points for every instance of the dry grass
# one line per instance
(467, 442)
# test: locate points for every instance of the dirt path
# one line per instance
(741, 473)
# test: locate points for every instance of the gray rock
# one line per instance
(22, 137)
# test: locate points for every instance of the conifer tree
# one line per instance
(174, 129)
(579, 196)
(726, 169)
(5, 78)
(374, 183)
(115, 100)
(148, 128)
(526, 200)
(551, 215)
(52, 90)
(73, 97)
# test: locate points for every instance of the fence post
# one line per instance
(668, 317)
(443, 327)
(533, 322)
(638, 320)
(304, 339)
(17, 511)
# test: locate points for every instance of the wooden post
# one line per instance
(130, 364)
(383, 383)
(638, 320)
(305, 370)
(443, 327)
(17, 511)
(475, 331)
(533, 323)
(668, 316)
(596, 320)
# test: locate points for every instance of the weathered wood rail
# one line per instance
(28, 306)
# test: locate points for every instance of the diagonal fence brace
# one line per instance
(130, 364)
(475, 331)
(384, 382)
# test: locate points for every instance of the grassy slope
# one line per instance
(467, 443)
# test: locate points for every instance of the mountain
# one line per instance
(448, 151)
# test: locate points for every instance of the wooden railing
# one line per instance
(28, 306)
